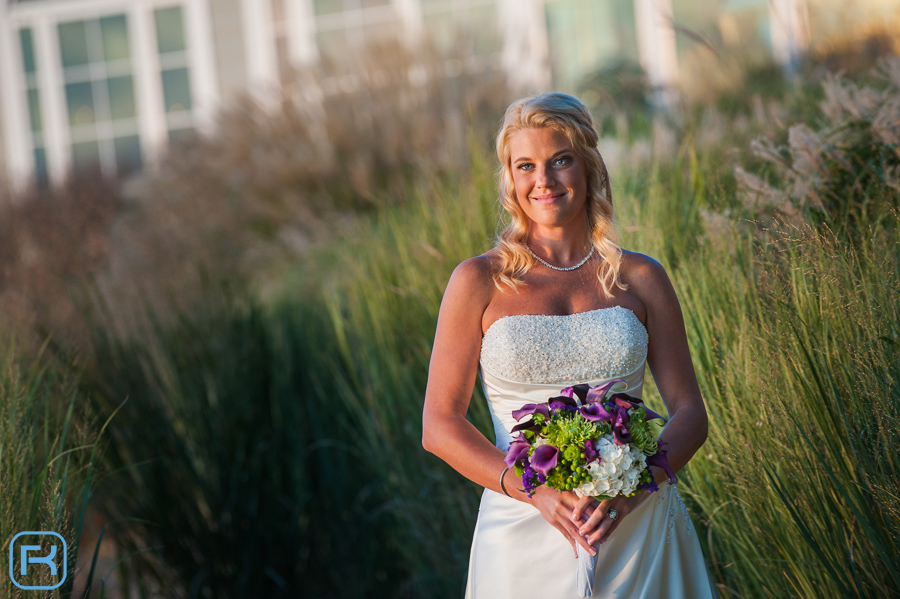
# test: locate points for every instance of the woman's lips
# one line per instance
(548, 197)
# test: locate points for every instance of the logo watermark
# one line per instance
(36, 558)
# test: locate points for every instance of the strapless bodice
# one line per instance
(528, 358)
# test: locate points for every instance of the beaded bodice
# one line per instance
(540, 348)
(529, 358)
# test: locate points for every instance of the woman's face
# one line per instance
(550, 178)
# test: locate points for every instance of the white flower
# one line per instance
(618, 471)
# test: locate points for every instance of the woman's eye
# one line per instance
(525, 166)
(563, 160)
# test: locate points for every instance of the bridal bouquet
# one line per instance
(588, 443)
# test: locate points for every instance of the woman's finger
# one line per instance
(582, 507)
(596, 517)
(605, 529)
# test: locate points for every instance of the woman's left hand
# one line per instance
(599, 525)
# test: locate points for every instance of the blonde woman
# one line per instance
(558, 303)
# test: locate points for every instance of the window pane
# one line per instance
(180, 136)
(80, 102)
(128, 154)
(176, 90)
(121, 97)
(27, 50)
(85, 155)
(114, 31)
(73, 44)
(169, 30)
(327, 7)
(40, 166)
(34, 109)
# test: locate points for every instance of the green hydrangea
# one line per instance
(641, 434)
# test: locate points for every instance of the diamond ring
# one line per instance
(613, 514)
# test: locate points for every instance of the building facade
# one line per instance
(107, 84)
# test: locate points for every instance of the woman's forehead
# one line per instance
(544, 140)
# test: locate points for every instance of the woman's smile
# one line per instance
(550, 178)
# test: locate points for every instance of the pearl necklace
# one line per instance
(548, 265)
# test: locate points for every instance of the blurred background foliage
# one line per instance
(264, 305)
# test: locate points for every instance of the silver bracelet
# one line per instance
(502, 486)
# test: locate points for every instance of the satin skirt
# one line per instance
(654, 553)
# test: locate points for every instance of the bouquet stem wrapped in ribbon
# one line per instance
(591, 444)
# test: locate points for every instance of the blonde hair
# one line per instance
(570, 117)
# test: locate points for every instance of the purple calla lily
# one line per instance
(544, 459)
(518, 449)
(596, 412)
(590, 451)
(623, 401)
(635, 402)
(528, 425)
(530, 409)
(621, 435)
(563, 403)
(660, 460)
(579, 391)
(597, 393)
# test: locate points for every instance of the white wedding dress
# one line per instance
(654, 553)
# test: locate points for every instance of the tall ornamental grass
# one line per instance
(793, 334)
(796, 343)
(231, 476)
(47, 469)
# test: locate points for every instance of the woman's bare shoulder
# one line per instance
(640, 271)
(648, 280)
(473, 279)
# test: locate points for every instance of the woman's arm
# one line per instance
(670, 363)
(451, 379)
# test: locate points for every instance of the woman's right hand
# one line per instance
(557, 507)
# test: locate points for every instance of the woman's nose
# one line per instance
(544, 177)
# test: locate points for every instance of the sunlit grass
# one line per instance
(47, 465)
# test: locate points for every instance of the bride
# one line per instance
(556, 303)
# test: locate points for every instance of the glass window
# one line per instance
(27, 42)
(121, 98)
(40, 167)
(100, 100)
(169, 30)
(114, 32)
(34, 110)
(80, 102)
(73, 44)
(86, 155)
(327, 7)
(128, 154)
(176, 90)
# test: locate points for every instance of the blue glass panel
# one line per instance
(327, 7)
(121, 97)
(86, 155)
(114, 31)
(176, 90)
(40, 167)
(34, 109)
(73, 44)
(169, 29)
(27, 42)
(80, 103)
(128, 154)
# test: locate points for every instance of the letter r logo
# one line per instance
(34, 565)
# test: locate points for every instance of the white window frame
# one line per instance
(43, 18)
